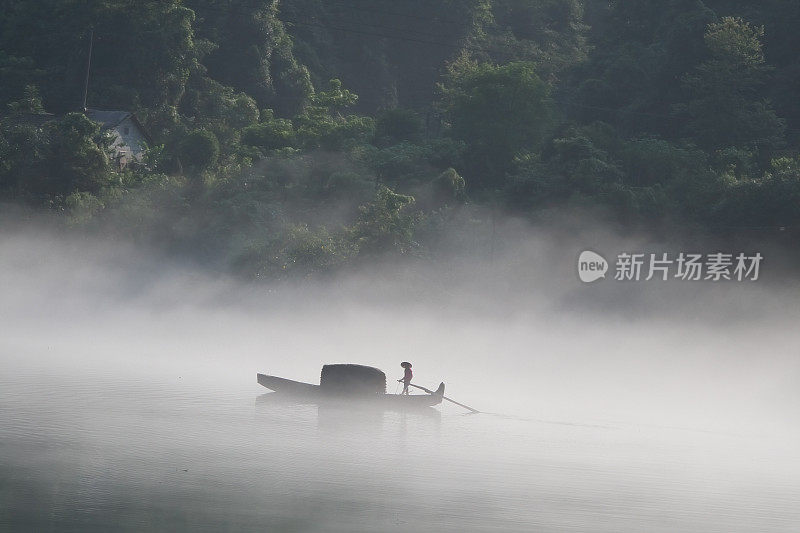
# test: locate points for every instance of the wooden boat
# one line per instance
(342, 383)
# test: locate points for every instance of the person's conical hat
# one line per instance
(405, 364)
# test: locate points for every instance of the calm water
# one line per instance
(99, 448)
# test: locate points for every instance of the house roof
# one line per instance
(111, 119)
(108, 119)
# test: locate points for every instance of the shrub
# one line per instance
(199, 150)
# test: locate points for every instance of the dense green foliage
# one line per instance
(295, 137)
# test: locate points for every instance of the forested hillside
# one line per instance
(297, 137)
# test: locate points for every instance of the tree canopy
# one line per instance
(296, 136)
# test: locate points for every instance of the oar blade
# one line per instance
(445, 398)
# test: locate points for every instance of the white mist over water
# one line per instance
(128, 398)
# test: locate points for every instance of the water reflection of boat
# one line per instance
(342, 384)
(344, 412)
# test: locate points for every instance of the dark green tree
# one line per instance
(397, 125)
(727, 107)
(639, 51)
(78, 159)
(323, 124)
(549, 33)
(17, 74)
(30, 102)
(198, 150)
(272, 133)
(252, 52)
(383, 224)
(142, 55)
(497, 111)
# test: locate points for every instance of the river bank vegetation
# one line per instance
(295, 138)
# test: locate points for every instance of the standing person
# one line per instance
(407, 375)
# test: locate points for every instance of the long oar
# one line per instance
(445, 398)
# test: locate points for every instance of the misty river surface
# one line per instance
(105, 450)
(129, 402)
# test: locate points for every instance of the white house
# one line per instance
(130, 139)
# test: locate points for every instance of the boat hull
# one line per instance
(311, 393)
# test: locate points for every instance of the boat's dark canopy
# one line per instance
(352, 379)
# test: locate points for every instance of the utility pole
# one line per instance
(88, 68)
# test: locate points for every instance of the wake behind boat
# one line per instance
(350, 383)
